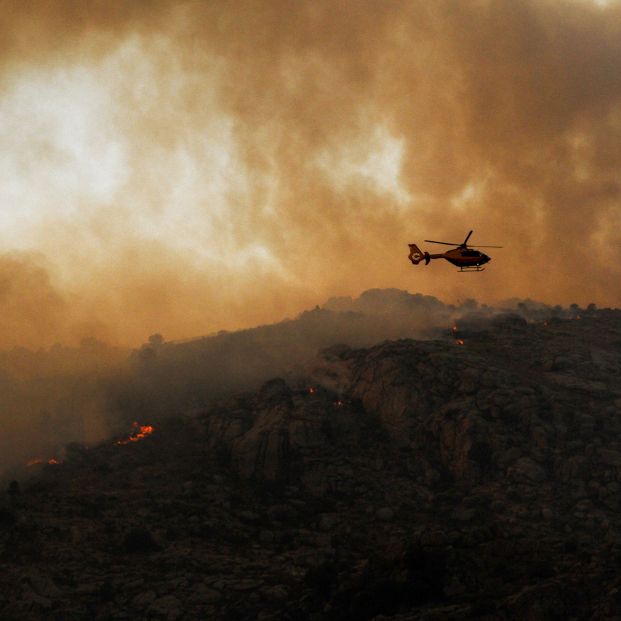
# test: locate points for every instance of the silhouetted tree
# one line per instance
(155, 340)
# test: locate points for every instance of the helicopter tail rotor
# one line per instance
(417, 255)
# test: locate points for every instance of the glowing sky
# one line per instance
(182, 167)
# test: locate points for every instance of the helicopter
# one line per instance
(465, 257)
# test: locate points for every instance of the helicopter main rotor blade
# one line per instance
(431, 241)
(484, 246)
(467, 238)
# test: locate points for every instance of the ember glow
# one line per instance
(459, 341)
(140, 432)
(52, 461)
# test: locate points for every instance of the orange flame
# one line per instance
(459, 341)
(312, 390)
(454, 328)
(140, 432)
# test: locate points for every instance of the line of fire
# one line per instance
(138, 432)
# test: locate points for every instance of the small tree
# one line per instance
(155, 340)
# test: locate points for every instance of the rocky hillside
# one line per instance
(477, 475)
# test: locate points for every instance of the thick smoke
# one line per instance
(25, 289)
(190, 166)
(51, 397)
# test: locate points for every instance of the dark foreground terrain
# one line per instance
(410, 480)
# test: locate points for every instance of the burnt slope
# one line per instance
(418, 480)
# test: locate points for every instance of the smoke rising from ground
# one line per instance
(88, 394)
(181, 167)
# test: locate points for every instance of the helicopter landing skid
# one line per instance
(471, 269)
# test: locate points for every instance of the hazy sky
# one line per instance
(182, 167)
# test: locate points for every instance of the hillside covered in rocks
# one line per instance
(473, 475)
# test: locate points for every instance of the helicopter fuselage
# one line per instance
(463, 257)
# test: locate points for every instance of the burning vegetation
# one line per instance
(139, 432)
(456, 335)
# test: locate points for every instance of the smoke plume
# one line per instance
(181, 167)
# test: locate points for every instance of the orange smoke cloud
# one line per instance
(185, 167)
